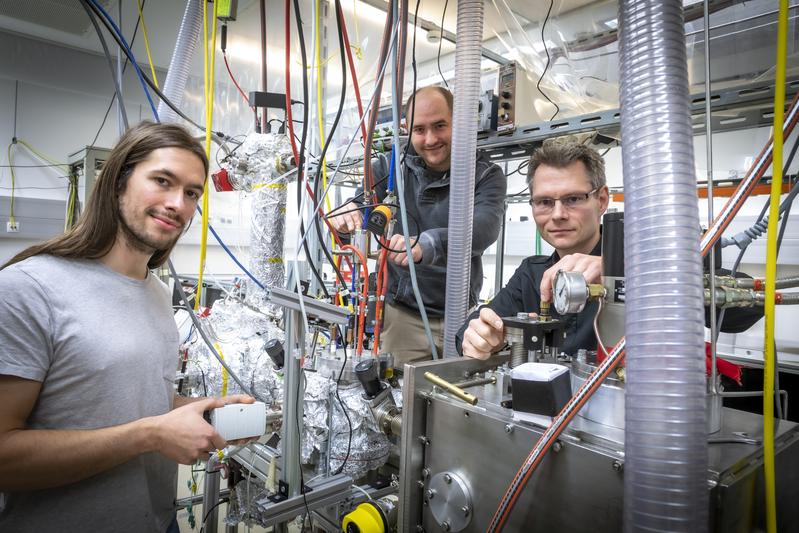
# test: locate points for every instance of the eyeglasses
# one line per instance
(570, 201)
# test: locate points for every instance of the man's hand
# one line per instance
(397, 242)
(349, 220)
(484, 336)
(184, 436)
(589, 265)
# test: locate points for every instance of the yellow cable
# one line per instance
(147, 43)
(357, 45)
(13, 185)
(771, 273)
(43, 157)
(319, 64)
(209, 113)
(224, 372)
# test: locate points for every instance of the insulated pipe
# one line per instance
(462, 168)
(665, 487)
(180, 64)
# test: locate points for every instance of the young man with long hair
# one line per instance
(90, 428)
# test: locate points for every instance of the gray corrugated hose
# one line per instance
(179, 66)
(462, 169)
(665, 471)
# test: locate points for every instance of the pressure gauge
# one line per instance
(570, 292)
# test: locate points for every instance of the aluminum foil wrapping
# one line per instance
(244, 503)
(267, 232)
(240, 334)
(258, 166)
(316, 415)
(369, 447)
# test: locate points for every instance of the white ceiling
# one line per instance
(65, 22)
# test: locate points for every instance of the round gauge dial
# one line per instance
(570, 292)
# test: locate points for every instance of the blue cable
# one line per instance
(390, 185)
(232, 255)
(132, 57)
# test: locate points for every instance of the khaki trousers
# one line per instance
(403, 335)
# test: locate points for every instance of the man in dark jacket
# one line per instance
(426, 190)
(568, 197)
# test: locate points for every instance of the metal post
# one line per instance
(211, 495)
(710, 214)
(292, 405)
(499, 260)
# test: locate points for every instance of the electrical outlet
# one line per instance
(12, 227)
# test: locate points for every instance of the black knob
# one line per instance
(367, 375)
(505, 105)
(506, 94)
(275, 352)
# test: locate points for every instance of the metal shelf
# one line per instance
(753, 103)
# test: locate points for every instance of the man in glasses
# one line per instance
(568, 198)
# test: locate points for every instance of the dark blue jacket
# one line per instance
(522, 294)
(427, 203)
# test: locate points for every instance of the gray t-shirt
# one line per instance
(105, 348)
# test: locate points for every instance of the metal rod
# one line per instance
(450, 388)
(476, 382)
(224, 494)
(435, 28)
(292, 407)
(739, 21)
(211, 495)
(710, 213)
(264, 118)
(499, 262)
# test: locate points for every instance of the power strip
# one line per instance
(240, 420)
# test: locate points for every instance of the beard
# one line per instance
(136, 235)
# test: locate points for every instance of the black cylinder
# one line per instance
(613, 245)
(367, 375)
(275, 352)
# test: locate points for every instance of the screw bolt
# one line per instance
(466, 510)
(425, 473)
(445, 526)
(430, 494)
(508, 428)
(447, 478)
(558, 446)
(618, 465)
(424, 440)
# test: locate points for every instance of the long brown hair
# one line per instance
(96, 231)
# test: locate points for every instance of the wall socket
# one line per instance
(12, 227)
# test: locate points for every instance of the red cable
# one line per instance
(352, 69)
(381, 287)
(364, 294)
(289, 118)
(233, 79)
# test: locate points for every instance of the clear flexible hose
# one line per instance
(180, 65)
(462, 169)
(665, 487)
